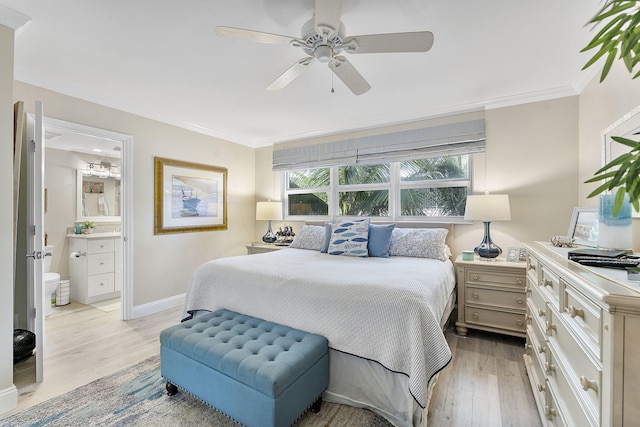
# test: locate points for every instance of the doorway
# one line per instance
(80, 156)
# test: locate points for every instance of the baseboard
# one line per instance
(8, 399)
(157, 306)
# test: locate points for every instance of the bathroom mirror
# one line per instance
(97, 198)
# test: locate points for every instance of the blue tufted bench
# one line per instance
(256, 372)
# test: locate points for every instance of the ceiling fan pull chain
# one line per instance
(332, 91)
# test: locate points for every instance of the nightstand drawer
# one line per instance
(495, 319)
(490, 277)
(496, 298)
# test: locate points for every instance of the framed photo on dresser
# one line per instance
(583, 228)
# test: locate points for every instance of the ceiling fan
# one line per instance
(323, 39)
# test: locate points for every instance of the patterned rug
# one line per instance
(136, 397)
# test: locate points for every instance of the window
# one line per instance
(414, 189)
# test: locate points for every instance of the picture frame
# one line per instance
(189, 197)
(523, 254)
(583, 228)
(513, 254)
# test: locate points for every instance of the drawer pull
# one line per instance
(519, 300)
(541, 312)
(527, 348)
(588, 384)
(542, 388)
(527, 318)
(547, 282)
(548, 367)
(475, 276)
(519, 281)
(542, 349)
(101, 284)
(531, 267)
(475, 295)
(527, 289)
(573, 312)
(550, 327)
(476, 315)
(549, 412)
(519, 322)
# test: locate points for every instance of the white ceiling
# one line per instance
(162, 60)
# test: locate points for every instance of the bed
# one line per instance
(383, 316)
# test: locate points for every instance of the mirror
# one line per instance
(626, 127)
(97, 198)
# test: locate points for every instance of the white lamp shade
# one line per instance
(268, 211)
(488, 207)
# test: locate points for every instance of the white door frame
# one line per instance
(126, 216)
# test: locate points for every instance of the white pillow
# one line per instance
(419, 242)
(309, 237)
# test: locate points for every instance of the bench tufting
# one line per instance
(254, 371)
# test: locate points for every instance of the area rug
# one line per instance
(108, 305)
(136, 397)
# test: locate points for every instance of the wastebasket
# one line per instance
(63, 292)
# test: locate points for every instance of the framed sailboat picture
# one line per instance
(189, 197)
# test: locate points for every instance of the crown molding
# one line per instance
(12, 18)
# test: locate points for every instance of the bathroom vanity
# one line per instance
(95, 265)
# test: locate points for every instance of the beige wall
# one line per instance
(531, 155)
(163, 264)
(8, 393)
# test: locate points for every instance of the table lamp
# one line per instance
(268, 211)
(487, 208)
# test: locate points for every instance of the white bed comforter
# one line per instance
(381, 309)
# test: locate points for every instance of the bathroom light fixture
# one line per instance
(487, 208)
(102, 170)
(267, 211)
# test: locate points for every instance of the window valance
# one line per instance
(437, 141)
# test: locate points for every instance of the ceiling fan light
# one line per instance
(324, 54)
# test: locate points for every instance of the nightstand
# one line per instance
(491, 296)
(258, 248)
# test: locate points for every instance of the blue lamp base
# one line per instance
(487, 249)
(269, 236)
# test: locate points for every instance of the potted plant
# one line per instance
(88, 226)
(619, 37)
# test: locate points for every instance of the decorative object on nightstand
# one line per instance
(491, 296)
(487, 208)
(268, 211)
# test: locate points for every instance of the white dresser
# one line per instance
(95, 265)
(583, 341)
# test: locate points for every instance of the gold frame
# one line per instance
(167, 224)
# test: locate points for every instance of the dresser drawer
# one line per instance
(579, 369)
(497, 298)
(495, 319)
(553, 412)
(100, 284)
(585, 317)
(549, 285)
(533, 269)
(491, 277)
(100, 263)
(538, 303)
(98, 246)
(537, 327)
(570, 405)
(537, 351)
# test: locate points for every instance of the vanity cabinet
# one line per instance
(95, 265)
(583, 352)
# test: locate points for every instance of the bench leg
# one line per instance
(171, 389)
(315, 407)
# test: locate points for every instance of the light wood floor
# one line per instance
(484, 385)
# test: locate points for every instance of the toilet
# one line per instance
(51, 281)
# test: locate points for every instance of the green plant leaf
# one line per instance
(601, 189)
(617, 202)
(608, 63)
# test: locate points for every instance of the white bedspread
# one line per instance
(381, 309)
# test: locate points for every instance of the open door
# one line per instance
(35, 232)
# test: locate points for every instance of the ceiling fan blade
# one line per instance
(349, 75)
(292, 72)
(327, 16)
(420, 41)
(255, 36)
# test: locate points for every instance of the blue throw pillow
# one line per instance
(380, 240)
